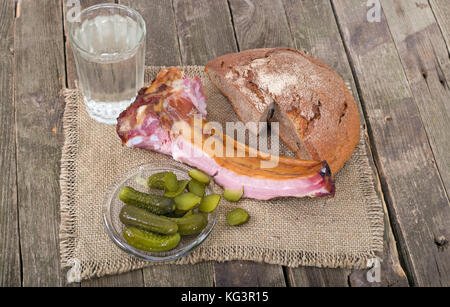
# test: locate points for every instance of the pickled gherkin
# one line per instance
(181, 187)
(149, 241)
(209, 203)
(153, 203)
(190, 212)
(156, 181)
(197, 187)
(237, 217)
(156, 223)
(199, 176)
(233, 195)
(190, 224)
(140, 218)
(186, 201)
(170, 182)
(179, 213)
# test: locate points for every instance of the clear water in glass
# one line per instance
(109, 49)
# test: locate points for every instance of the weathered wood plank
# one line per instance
(134, 278)
(425, 59)
(129, 279)
(391, 271)
(260, 23)
(162, 41)
(190, 275)
(417, 201)
(204, 30)
(315, 30)
(39, 78)
(162, 49)
(441, 10)
(317, 277)
(9, 231)
(248, 274)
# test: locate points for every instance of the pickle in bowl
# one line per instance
(209, 203)
(170, 182)
(156, 181)
(199, 176)
(187, 201)
(149, 241)
(152, 212)
(140, 218)
(191, 224)
(196, 187)
(181, 187)
(153, 203)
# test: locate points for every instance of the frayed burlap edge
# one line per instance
(68, 235)
(291, 259)
(67, 182)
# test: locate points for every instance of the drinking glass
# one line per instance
(108, 43)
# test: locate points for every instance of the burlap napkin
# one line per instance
(343, 231)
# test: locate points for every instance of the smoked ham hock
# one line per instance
(318, 115)
(175, 101)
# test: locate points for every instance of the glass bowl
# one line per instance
(133, 178)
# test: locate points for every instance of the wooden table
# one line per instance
(398, 69)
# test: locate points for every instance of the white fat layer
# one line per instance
(134, 141)
(140, 116)
(177, 85)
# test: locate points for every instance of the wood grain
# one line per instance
(162, 41)
(314, 29)
(9, 231)
(39, 78)
(129, 279)
(417, 202)
(191, 275)
(425, 59)
(204, 30)
(260, 23)
(248, 274)
(317, 277)
(441, 10)
(391, 270)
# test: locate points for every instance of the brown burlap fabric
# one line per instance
(343, 231)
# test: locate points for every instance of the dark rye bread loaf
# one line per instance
(318, 116)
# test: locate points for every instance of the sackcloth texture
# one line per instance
(344, 231)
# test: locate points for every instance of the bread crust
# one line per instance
(317, 101)
(224, 65)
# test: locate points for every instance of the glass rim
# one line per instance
(139, 18)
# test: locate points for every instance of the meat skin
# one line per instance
(174, 100)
